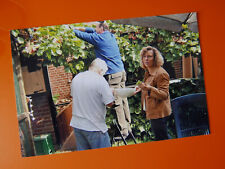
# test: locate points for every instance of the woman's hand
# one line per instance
(143, 86)
(137, 90)
(140, 87)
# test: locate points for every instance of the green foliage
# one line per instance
(55, 45)
(186, 86)
(59, 46)
(55, 98)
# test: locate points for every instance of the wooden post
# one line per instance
(187, 67)
(23, 115)
(196, 68)
(20, 81)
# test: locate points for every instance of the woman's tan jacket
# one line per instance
(157, 99)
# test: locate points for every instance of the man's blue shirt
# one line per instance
(106, 48)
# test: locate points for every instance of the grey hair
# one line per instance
(98, 66)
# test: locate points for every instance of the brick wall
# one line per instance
(43, 123)
(59, 81)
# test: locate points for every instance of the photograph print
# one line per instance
(108, 83)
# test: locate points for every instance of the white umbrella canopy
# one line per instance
(168, 22)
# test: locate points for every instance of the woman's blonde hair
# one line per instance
(158, 59)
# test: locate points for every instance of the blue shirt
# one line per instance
(106, 48)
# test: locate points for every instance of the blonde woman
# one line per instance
(155, 97)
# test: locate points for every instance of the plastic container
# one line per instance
(124, 92)
(43, 144)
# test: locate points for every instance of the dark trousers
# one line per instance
(159, 128)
